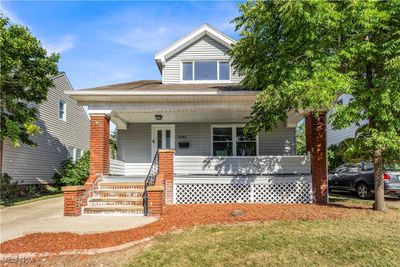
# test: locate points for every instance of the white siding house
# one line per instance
(64, 133)
(198, 109)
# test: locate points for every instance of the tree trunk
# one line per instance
(1, 157)
(379, 170)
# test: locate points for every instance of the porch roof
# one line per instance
(140, 101)
(156, 90)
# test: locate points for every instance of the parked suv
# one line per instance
(359, 178)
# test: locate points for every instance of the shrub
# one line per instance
(74, 173)
(9, 189)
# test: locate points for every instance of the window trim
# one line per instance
(205, 81)
(234, 142)
(64, 118)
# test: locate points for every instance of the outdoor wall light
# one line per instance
(158, 117)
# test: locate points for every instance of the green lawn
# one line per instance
(370, 241)
(29, 199)
(349, 199)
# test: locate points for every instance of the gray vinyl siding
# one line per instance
(205, 48)
(134, 144)
(37, 164)
(197, 134)
(280, 141)
(335, 137)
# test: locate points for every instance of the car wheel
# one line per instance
(362, 191)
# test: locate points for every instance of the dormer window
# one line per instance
(205, 71)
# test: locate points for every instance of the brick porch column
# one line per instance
(308, 122)
(316, 142)
(99, 146)
(155, 200)
(166, 170)
(74, 200)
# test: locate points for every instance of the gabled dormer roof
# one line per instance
(190, 38)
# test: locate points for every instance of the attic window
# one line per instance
(205, 70)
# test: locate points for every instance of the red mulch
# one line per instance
(174, 217)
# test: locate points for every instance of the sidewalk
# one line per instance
(47, 216)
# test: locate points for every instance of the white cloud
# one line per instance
(154, 31)
(66, 42)
(11, 15)
(143, 39)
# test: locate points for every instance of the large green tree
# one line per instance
(304, 54)
(25, 77)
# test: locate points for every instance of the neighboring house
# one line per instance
(197, 110)
(64, 134)
(335, 137)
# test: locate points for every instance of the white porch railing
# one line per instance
(242, 165)
(264, 179)
(121, 168)
(117, 167)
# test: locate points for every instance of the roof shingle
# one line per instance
(157, 85)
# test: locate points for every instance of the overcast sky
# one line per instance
(111, 42)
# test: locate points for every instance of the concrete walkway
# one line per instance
(47, 216)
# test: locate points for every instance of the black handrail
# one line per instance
(150, 180)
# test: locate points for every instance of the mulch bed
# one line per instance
(173, 218)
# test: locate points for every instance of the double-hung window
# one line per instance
(231, 141)
(62, 110)
(245, 146)
(74, 153)
(205, 71)
(222, 141)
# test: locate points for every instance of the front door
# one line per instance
(162, 137)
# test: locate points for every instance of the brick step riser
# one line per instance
(132, 194)
(110, 187)
(116, 203)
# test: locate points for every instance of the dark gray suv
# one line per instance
(359, 178)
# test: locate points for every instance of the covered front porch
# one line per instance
(203, 125)
(191, 148)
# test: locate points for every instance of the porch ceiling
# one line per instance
(182, 109)
(231, 114)
(181, 115)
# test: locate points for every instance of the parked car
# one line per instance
(359, 178)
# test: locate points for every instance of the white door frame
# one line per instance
(154, 129)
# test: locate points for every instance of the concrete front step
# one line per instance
(113, 209)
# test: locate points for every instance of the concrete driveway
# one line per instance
(47, 216)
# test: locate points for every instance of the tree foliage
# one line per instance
(285, 50)
(301, 148)
(371, 51)
(25, 77)
(304, 54)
